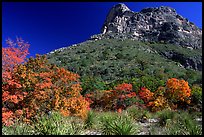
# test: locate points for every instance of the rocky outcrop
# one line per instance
(161, 24)
(187, 62)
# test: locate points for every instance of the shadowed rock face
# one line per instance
(190, 62)
(160, 24)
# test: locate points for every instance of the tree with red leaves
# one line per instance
(12, 56)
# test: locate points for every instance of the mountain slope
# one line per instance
(113, 59)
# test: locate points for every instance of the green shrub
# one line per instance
(148, 81)
(196, 92)
(91, 84)
(19, 128)
(137, 113)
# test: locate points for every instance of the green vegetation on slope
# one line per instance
(114, 61)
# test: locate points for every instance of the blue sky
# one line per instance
(52, 25)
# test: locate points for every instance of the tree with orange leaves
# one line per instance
(49, 88)
(36, 87)
(176, 93)
(178, 90)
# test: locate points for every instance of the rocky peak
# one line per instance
(117, 10)
(120, 8)
(157, 24)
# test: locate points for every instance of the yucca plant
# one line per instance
(177, 123)
(56, 124)
(47, 126)
(165, 116)
(89, 121)
(120, 125)
(184, 124)
(105, 120)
